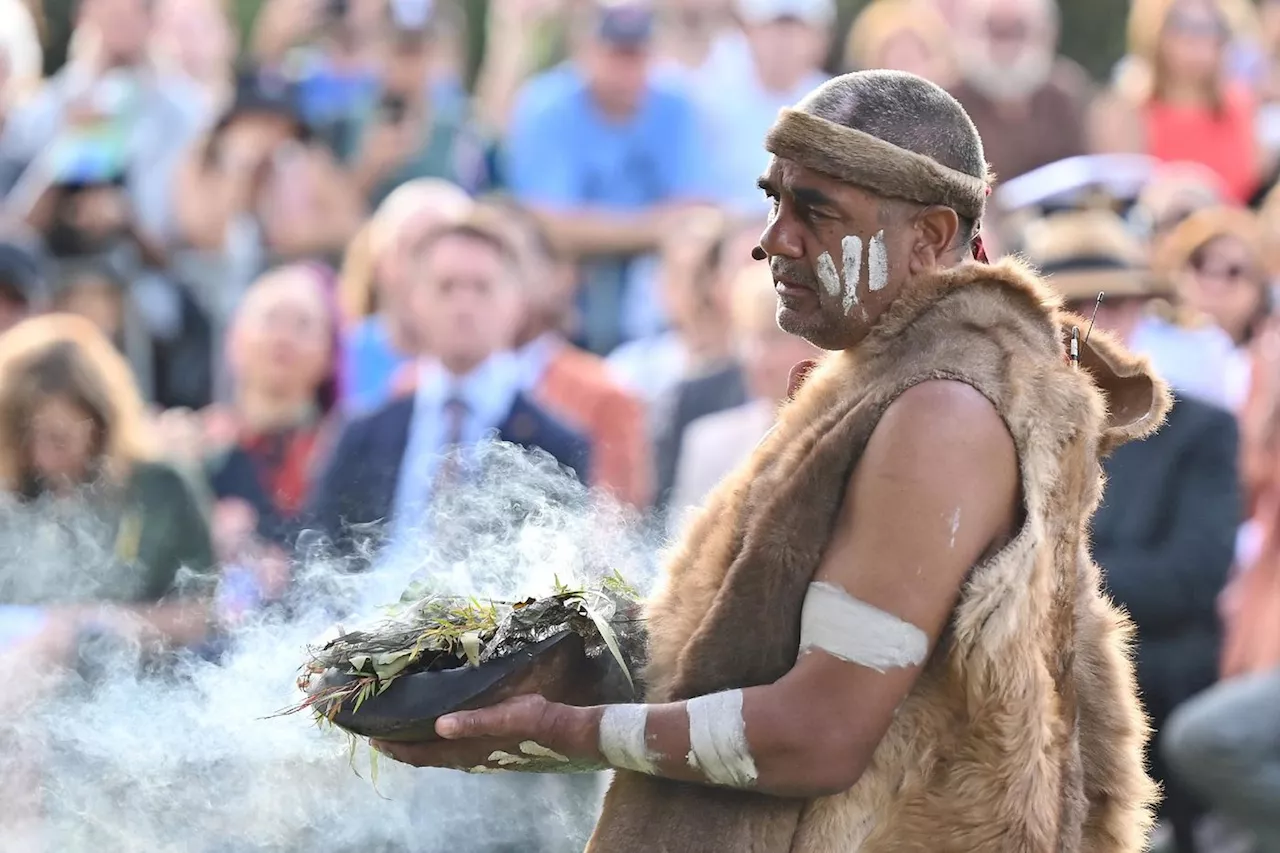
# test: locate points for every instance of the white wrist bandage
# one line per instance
(718, 737)
(622, 738)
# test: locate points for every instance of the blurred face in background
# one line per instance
(785, 50)
(1007, 48)
(617, 74)
(1193, 41)
(121, 29)
(62, 440)
(397, 266)
(197, 36)
(1224, 279)
(465, 302)
(906, 50)
(282, 341)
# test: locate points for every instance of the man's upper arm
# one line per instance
(936, 489)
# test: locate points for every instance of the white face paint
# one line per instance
(622, 738)
(955, 526)
(537, 750)
(718, 735)
(877, 263)
(506, 759)
(854, 631)
(828, 276)
(851, 248)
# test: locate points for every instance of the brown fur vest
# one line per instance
(1024, 732)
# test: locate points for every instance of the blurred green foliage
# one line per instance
(1093, 30)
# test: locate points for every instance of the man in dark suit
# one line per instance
(1165, 532)
(391, 465)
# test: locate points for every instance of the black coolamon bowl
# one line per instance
(557, 668)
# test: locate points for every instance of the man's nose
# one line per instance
(782, 237)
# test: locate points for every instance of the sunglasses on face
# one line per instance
(1235, 273)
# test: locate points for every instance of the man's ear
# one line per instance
(937, 229)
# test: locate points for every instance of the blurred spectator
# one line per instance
(521, 37)
(788, 42)
(259, 187)
(702, 41)
(1223, 742)
(94, 290)
(1217, 262)
(23, 289)
(21, 56)
(714, 445)
(1173, 193)
(197, 39)
(653, 365)
(108, 119)
(902, 35)
(88, 505)
(466, 302)
(332, 52)
(1029, 103)
(406, 133)
(572, 383)
(1165, 532)
(380, 345)
(604, 151)
(712, 379)
(1177, 103)
(283, 356)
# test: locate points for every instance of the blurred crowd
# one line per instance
(271, 288)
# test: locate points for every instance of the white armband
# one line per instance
(854, 631)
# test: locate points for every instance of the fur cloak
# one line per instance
(1024, 732)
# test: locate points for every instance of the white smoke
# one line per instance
(189, 759)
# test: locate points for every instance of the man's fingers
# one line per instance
(513, 717)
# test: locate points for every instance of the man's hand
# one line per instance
(524, 726)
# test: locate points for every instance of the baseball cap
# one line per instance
(817, 13)
(629, 23)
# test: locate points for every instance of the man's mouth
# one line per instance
(787, 285)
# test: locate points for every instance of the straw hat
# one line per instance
(1084, 253)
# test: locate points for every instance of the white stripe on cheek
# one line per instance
(718, 737)
(854, 631)
(828, 276)
(622, 738)
(877, 263)
(851, 248)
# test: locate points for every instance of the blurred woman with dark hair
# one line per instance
(91, 519)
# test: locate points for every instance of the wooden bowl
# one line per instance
(557, 668)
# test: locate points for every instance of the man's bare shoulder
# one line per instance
(942, 442)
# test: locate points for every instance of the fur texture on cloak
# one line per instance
(1024, 732)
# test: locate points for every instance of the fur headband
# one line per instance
(867, 161)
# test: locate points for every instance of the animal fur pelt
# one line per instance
(1024, 733)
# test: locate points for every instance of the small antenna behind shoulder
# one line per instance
(1094, 316)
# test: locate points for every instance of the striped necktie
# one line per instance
(455, 418)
